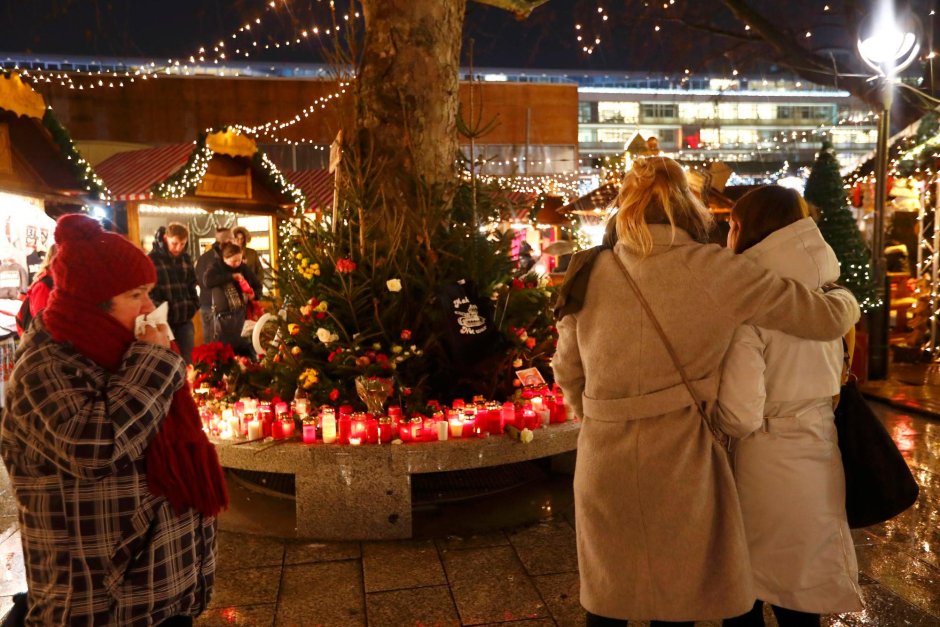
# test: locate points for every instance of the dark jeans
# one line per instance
(185, 336)
(785, 618)
(178, 621)
(593, 620)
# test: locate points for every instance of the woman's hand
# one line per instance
(238, 276)
(158, 335)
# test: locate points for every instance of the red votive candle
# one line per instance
(309, 431)
(344, 426)
(277, 430)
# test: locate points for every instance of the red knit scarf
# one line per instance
(182, 464)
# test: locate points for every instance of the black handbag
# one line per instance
(227, 298)
(878, 483)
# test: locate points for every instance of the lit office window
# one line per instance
(618, 112)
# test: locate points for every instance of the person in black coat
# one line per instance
(231, 283)
(205, 260)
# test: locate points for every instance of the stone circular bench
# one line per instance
(364, 492)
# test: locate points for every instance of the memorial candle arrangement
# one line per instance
(252, 420)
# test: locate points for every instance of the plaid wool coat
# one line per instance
(99, 548)
(176, 284)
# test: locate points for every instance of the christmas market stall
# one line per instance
(220, 180)
(42, 176)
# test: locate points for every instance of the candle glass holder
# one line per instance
(374, 391)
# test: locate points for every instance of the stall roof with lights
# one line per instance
(37, 156)
(220, 169)
(316, 185)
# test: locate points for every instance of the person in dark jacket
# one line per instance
(251, 256)
(231, 283)
(176, 284)
(205, 260)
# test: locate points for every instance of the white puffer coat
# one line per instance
(776, 397)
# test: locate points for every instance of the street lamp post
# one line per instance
(888, 44)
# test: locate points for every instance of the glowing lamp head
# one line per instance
(889, 43)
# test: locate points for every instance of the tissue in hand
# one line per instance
(155, 317)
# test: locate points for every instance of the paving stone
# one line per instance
(243, 550)
(546, 547)
(397, 565)
(913, 580)
(415, 606)
(472, 541)
(327, 594)
(13, 579)
(491, 585)
(883, 608)
(255, 586)
(300, 552)
(561, 594)
(246, 616)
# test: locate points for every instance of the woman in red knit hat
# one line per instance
(116, 483)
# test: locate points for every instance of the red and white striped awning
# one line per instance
(130, 175)
(317, 186)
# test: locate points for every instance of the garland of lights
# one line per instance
(184, 182)
(80, 167)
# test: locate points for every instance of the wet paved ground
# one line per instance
(505, 560)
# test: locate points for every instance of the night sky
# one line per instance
(177, 28)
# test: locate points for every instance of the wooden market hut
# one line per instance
(37, 156)
(42, 176)
(218, 180)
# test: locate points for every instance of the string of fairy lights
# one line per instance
(212, 55)
(588, 42)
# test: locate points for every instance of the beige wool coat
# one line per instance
(659, 527)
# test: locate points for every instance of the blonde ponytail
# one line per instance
(655, 191)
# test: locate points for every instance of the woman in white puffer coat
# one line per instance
(776, 400)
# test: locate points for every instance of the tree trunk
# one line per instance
(408, 88)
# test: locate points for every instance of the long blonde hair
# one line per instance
(655, 191)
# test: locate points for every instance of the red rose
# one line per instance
(321, 315)
(406, 335)
(345, 266)
(334, 394)
(381, 358)
(530, 343)
(517, 284)
(406, 391)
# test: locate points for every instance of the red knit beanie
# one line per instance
(94, 265)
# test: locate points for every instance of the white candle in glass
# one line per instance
(442, 428)
(537, 403)
(328, 426)
(255, 430)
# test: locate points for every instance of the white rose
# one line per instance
(325, 336)
(393, 285)
(525, 436)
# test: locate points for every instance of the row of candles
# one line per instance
(253, 420)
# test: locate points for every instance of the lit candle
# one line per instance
(355, 441)
(456, 427)
(287, 426)
(328, 426)
(310, 431)
(277, 430)
(531, 418)
(537, 403)
(255, 431)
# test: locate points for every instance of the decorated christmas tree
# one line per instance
(825, 191)
(424, 304)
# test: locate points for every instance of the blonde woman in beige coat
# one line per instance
(659, 528)
(775, 398)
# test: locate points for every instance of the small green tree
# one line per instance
(825, 190)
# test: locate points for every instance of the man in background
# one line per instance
(176, 284)
(205, 261)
